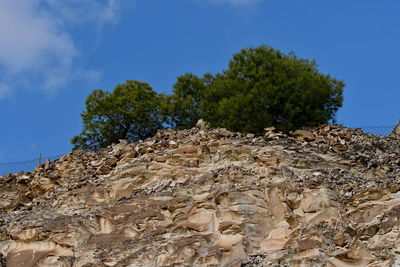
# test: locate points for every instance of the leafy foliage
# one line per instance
(183, 106)
(261, 87)
(130, 112)
(264, 87)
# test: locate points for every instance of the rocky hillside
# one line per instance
(209, 197)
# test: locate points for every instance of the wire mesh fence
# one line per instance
(27, 165)
(378, 130)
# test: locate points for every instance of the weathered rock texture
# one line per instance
(209, 197)
(396, 131)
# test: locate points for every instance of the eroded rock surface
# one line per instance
(396, 131)
(209, 197)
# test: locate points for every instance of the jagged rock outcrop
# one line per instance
(209, 197)
(396, 131)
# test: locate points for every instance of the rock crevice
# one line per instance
(327, 196)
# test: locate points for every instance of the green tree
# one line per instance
(264, 87)
(183, 107)
(130, 112)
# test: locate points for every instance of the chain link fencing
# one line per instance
(27, 165)
(378, 130)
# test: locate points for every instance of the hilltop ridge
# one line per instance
(327, 196)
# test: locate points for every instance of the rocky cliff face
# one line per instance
(396, 131)
(210, 197)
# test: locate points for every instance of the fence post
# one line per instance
(40, 159)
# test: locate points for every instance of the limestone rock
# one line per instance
(396, 131)
(202, 124)
(303, 135)
(327, 196)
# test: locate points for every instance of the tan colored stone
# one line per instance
(200, 220)
(396, 131)
(303, 135)
(210, 197)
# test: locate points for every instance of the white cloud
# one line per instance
(29, 41)
(36, 45)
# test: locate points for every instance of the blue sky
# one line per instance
(53, 53)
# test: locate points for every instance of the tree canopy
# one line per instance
(130, 112)
(264, 87)
(261, 87)
(183, 106)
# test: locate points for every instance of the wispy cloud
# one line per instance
(84, 11)
(37, 46)
(233, 2)
(4, 90)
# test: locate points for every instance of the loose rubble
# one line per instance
(328, 196)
